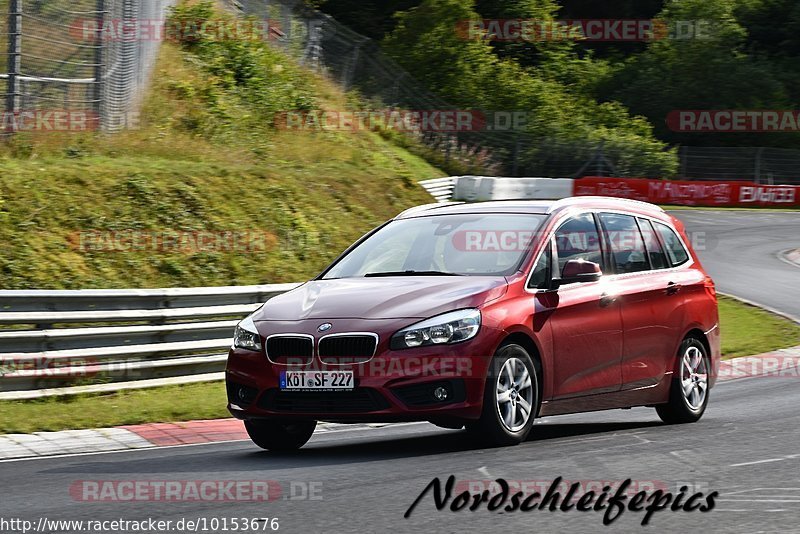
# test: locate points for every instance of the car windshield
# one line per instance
(489, 244)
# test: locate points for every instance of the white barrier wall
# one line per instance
(481, 188)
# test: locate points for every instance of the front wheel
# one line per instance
(510, 399)
(688, 396)
(278, 435)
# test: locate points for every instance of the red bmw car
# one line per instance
(485, 316)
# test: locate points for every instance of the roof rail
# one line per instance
(425, 207)
(571, 201)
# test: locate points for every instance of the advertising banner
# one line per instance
(686, 193)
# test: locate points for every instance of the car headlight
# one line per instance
(452, 327)
(246, 336)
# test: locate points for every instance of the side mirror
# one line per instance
(578, 271)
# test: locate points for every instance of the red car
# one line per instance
(485, 316)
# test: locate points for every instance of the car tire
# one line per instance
(280, 435)
(688, 397)
(505, 420)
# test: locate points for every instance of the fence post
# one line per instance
(14, 61)
(99, 71)
(396, 89)
(286, 23)
(313, 51)
(349, 72)
(757, 172)
(683, 161)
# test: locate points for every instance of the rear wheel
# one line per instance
(279, 435)
(689, 392)
(510, 399)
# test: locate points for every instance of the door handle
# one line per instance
(607, 300)
(673, 288)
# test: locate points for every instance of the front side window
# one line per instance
(540, 277)
(625, 243)
(483, 244)
(676, 252)
(578, 239)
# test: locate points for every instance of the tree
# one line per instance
(467, 73)
(712, 71)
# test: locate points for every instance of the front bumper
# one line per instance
(393, 386)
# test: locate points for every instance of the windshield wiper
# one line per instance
(410, 273)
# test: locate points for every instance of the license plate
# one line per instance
(317, 380)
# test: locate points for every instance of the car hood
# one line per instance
(382, 298)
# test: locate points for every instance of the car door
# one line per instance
(651, 312)
(586, 321)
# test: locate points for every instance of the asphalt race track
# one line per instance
(745, 447)
(741, 254)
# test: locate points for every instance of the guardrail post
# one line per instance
(14, 65)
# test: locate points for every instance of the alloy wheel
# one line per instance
(694, 378)
(514, 394)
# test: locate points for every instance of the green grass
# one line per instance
(171, 403)
(745, 331)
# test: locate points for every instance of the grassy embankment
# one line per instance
(207, 158)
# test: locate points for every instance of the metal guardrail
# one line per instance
(67, 342)
(440, 188)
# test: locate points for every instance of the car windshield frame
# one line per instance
(535, 220)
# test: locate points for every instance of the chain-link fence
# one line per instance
(128, 63)
(754, 164)
(70, 65)
(356, 62)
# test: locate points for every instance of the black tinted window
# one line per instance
(657, 257)
(626, 243)
(577, 239)
(675, 251)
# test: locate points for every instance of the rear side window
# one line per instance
(625, 243)
(578, 239)
(675, 250)
(658, 259)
